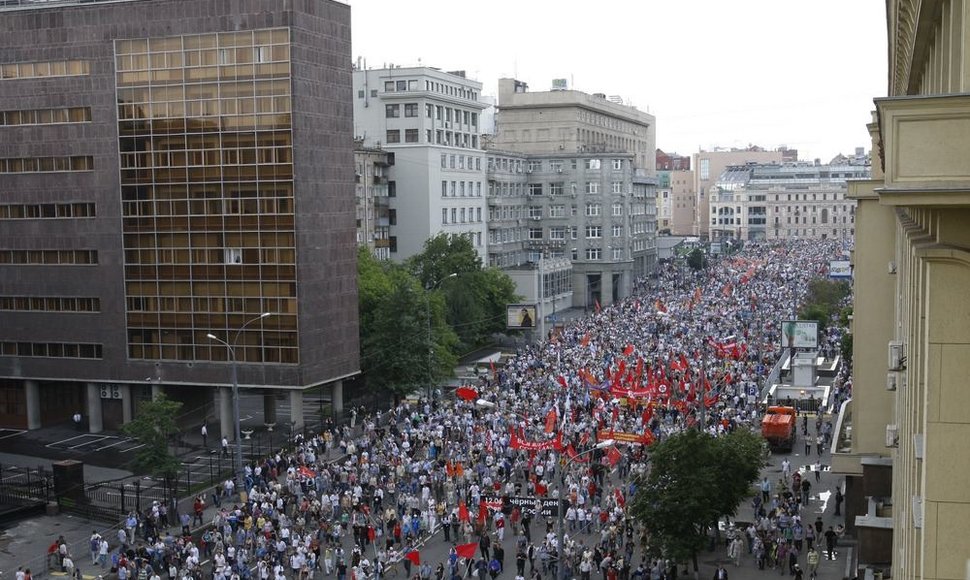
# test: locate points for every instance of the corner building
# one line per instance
(170, 170)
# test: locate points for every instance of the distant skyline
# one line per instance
(714, 73)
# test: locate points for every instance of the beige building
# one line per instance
(784, 201)
(708, 166)
(910, 412)
(683, 203)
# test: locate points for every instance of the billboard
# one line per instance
(520, 316)
(840, 269)
(799, 334)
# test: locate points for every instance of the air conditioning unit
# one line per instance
(891, 380)
(892, 267)
(536, 218)
(897, 356)
(559, 170)
(528, 171)
(892, 436)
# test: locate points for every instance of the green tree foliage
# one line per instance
(394, 338)
(444, 255)
(694, 480)
(476, 296)
(696, 259)
(824, 301)
(154, 426)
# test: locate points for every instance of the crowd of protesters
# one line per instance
(632, 373)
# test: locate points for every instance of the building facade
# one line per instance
(430, 120)
(784, 201)
(672, 161)
(708, 166)
(166, 174)
(910, 413)
(374, 215)
(575, 168)
(683, 203)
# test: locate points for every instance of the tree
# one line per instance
(476, 304)
(394, 332)
(694, 479)
(696, 259)
(154, 426)
(442, 256)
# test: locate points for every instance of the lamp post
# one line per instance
(238, 461)
(427, 303)
(560, 569)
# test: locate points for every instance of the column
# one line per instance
(296, 409)
(606, 288)
(337, 398)
(125, 403)
(95, 417)
(226, 427)
(156, 390)
(33, 404)
(269, 407)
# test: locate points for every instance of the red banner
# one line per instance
(516, 443)
(624, 437)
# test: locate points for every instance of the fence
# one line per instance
(20, 487)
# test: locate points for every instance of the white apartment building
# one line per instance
(430, 120)
(784, 201)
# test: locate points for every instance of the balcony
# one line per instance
(924, 142)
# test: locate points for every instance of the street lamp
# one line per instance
(238, 462)
(427, 302)
(560, 569)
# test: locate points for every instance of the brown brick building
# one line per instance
(171, 170)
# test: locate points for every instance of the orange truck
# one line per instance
(778, 427)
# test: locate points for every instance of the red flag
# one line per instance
(562, 381)
(585, 342)
(491, 365)
(628, 350)
(620, 500)
(482, 511)
(466, 551)
(466, 393)
(307, 472)
(613, 456)
(660, 306)
(597, 304)
(463, 515)
(414, 556)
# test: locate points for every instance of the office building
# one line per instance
(909, 418)
(783, 201)
(171, 170)
(708, 166)
(579, 170)
(430, 121)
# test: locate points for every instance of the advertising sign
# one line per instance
(520, 316)
(840, 269)
(799, 334)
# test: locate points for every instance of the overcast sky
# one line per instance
(722, 73)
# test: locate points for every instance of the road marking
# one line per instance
(118, 442)
(13, 434)
(95, 442)
(132, 448)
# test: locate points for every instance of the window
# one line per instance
(705, 169)
(535, 165)
(535, 233)
(573, 232)
(617, 164)
(412, 85)
(592, 209)
(594, 253)
(388, 86)
(594, 232)
(617, 187)
(444, 188)
(392, 111)
(617, 231)
(373, 93)
(429, 110)
(444, 215)
(478, 214)
(535, 212)
(437, 112)
(592, 164)
(535, 189)
(592, 187)
(617, 253)
(393, 136)
(617, 209)
(444, 162)
(556, 188)
(557, 233)
(464, 215)
(557, 211)
(410, 109)
(454, 215)
(451, 161)
(401, 85)
(410, 135)
(474, 120)
(360, 94)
